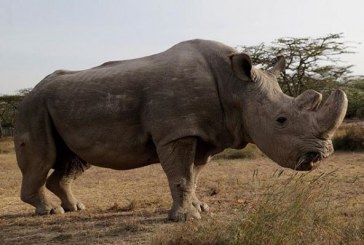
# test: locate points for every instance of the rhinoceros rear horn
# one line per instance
(242, 66)
(279, 67)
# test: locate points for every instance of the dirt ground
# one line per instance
(130, 207)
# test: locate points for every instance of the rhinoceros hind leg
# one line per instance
(33, 192)
(177, 160)
(35, 161)
(60, 182)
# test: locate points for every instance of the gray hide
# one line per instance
(178, 107)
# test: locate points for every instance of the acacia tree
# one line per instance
(8, 106)
(311, 63)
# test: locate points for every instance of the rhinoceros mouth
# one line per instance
(306, 161)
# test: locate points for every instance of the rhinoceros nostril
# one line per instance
(312, 156)
(307, 160)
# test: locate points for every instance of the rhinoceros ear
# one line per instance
(242, 66)
(279, 67)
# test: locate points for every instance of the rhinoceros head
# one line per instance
(294, 132)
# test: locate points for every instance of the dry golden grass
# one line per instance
(130, 207)
(297, 209)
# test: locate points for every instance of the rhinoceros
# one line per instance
(177, 108)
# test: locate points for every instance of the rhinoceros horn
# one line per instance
(279, 66)
(332, 113)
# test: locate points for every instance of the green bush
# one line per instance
(351, 140)
(355, 92)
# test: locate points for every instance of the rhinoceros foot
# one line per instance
(200, 206)
(47, 211)
(71, 207)
(184, 214)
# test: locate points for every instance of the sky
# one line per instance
(38, 37)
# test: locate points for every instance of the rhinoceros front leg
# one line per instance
(200, 206)
(177, 161)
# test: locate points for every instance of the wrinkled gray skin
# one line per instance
(178, 107)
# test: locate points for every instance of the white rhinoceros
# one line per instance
(178, 107)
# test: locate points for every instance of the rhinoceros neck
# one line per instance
(217, 57)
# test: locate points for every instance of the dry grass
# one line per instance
(293, 210)
(130, 207)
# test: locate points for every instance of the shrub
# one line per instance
(352, 139)
(355, 92)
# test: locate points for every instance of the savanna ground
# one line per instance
(252, 201)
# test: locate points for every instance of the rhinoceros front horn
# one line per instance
(332, 113)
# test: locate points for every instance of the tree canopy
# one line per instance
(311, 63)
(8, 108)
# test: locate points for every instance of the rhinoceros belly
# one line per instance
(104, 129)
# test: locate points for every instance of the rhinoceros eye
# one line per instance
(281, 120)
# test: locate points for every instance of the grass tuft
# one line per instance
(291, 211)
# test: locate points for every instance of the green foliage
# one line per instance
(8, 108)
(358, 84)
(355, 92)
